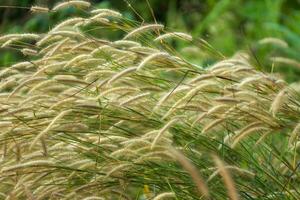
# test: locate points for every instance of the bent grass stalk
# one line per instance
(232, 193)
(192, 170)
(44, 132)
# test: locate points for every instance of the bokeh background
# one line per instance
(228, 25)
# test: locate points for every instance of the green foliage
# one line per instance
(227, 25)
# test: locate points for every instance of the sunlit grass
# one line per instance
(89, 117)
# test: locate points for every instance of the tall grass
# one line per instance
(88, 117)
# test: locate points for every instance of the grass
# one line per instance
(87, 116)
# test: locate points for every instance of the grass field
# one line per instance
(105, 105)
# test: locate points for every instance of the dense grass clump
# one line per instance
(90, 117)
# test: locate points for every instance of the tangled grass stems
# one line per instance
(88, 117)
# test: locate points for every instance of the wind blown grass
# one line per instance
(91, 118)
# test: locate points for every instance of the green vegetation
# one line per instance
(229, 26)
(106, 105)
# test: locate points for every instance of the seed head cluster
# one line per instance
(87, 117)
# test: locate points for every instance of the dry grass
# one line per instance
(89, 118)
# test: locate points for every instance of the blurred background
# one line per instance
(227, 25)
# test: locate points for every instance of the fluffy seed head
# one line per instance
(142, 29)
(179, 35)
(76, 3)
(39, 9)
